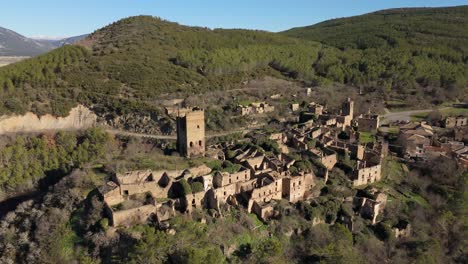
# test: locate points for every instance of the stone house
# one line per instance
(280, 138)
(329, 120)
(355, 151)
(367, 208)
(269, 188)
(294, 107)
(221, 179)
(327, 157)
(111, 193)
(416, 128)
(278, 163)
(315, 133)
(295, 187)
(263, 197)
(414, 145)
(225, 194)
(366, 172)
(165, 211)
(143, 181)
(458, 121)
(299, 143)
(316, 109)
(402, 229)
(368, 123)
(194, 201)
(263, 210)
(255, 108)
(207, 181)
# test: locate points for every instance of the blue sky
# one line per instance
(59, 18)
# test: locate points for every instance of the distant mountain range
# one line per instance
(14, 44)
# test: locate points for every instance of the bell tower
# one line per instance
(191, 133)
(348, 108)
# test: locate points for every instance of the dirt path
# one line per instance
(406, 115)
(173, 137)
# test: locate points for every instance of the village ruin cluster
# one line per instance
(256, 178)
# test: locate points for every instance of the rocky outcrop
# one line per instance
(79, 117)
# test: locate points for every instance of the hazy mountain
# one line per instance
(14, 44)
(57, 43)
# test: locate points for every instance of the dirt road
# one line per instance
(406, 115)
(171, 137)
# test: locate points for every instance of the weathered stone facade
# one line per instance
(402, 229)
(456, 121)
(296, 187)
(221, 179)
(368, 123)
(191, 133)
(366, 173)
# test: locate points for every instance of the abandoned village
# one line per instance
(255, 179)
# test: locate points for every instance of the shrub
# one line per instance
(197, 187)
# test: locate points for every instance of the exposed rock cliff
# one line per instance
(79, 117)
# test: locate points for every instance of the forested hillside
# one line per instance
(406, 48)
(127, 65)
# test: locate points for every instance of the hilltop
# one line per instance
(126, 66)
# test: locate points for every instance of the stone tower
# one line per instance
(348, 108)
(347, 112)
(191, 133)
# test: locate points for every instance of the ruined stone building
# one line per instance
(269, 188)
(221, 179)
(295, 107)
(456, 121)
(415, 145)
(255, 108)
(347, 113)
(295, 187)
(366, 172)
(191, 133)
(316, 109)
(402, 229)
(368, 123)
(327, 157)
(370, 207)
(131, 197)
(143, 181)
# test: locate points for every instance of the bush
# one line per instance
(186, 189)
(197, 187)
(268, 247)
(104, 224)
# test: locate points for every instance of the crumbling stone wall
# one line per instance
(367, 175)
(138, 215)
(221, 179)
